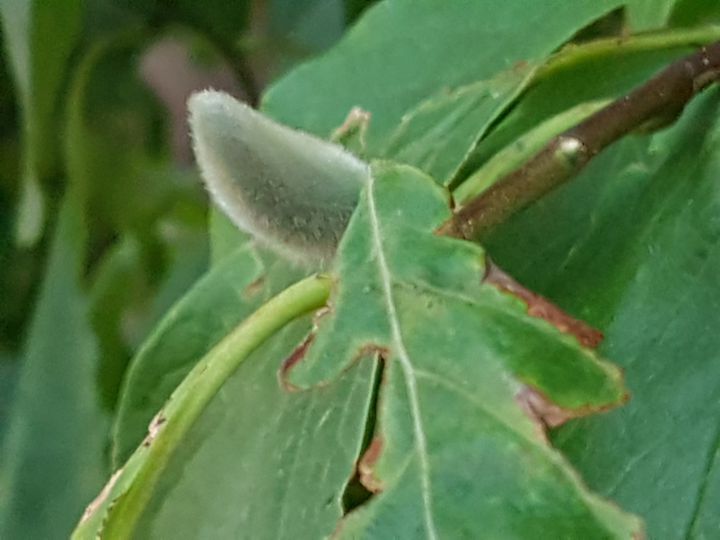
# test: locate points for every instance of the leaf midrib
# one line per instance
(405, 363)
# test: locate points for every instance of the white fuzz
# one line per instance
(289, 189)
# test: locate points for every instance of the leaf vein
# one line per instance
(405, 363)
(453, 387)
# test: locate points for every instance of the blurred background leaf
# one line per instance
(39, 40)
(98, 91)
(56, 444)
(16, 281)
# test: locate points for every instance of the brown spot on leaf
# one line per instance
(301, 350)
(520, 66)
(291, 361)
(254, 288)
(541, 409)
(366, 466)
(542, 308)
(549, 414)
(154, 428)
(100, 499)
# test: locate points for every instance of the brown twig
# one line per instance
(659, 101)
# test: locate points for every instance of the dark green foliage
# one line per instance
(135, 349)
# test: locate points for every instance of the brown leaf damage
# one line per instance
(295, 357)
(102, 496)
(154, 428)
(254, 288)
(364, 484)
(367, 463)
(300, 352)
(542, 410)
(550, 415)
(542, 308)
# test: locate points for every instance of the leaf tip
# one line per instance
(366, 465)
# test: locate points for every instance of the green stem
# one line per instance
(647, 41)
(131, 489)
(514, 155)
(656, 103)
(572, 56)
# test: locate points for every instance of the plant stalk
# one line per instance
(652, 105)
(130, 489)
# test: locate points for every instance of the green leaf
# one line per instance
(692, 12)
(207, 448)
(39, 37)
(225, 237)
(106, 17)
(454, 452)
(8, 377)
(230, 456)
(117, 159)
(129, 295)
(632, 246)
(115, 149)
(300, 20)
(403, 51)
(186, 256)
(178, 483)
(603, 69)
(115, 286)
(522, 149)
(234, 288)
(54, 459)
(439, 134)
(220, 19)
(648, 14)
(215, 17)
(354, 8)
